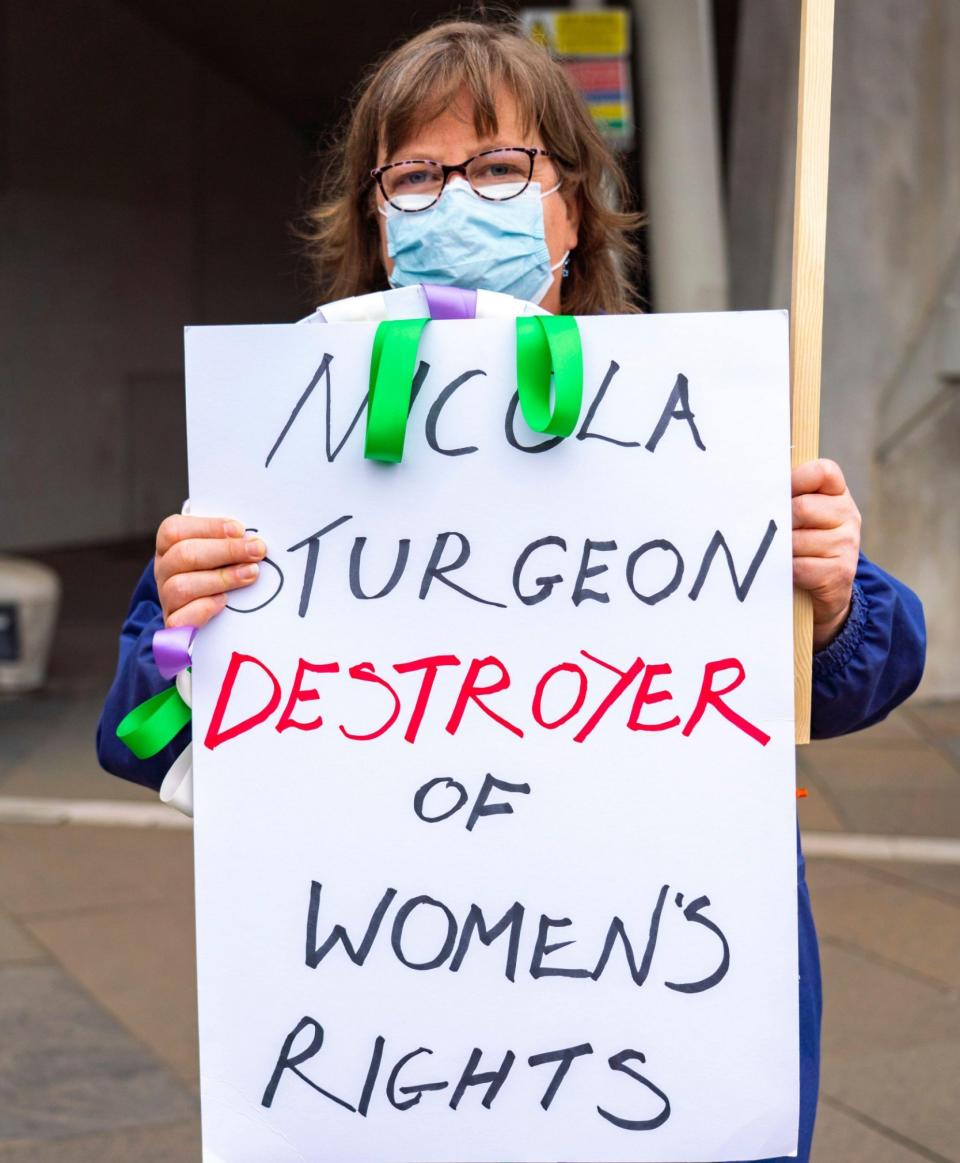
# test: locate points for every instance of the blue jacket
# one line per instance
(872, 666)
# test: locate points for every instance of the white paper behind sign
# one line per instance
(567, 900)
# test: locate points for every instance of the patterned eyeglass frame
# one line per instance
(532, 153)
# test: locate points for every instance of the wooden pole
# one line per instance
(806, 296)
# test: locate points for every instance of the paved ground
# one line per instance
(97, 1025)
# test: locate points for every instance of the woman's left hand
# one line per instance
(826, 544)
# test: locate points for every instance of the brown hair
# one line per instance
(413, 84)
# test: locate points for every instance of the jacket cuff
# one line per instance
(834, 657)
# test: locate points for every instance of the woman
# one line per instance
(470, 160)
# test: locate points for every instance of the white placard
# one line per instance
(535, 899)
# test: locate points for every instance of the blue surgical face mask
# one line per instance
(468, 241)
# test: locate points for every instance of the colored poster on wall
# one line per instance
(494, 764)
(593, 47)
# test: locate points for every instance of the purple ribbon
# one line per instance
(450, 302)
(171, 649)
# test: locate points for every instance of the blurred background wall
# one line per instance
(891, 363)
(154, 155)
(143, 189)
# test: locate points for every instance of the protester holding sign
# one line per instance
(470, 161)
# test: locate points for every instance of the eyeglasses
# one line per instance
(496, 175)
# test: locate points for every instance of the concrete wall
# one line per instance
(139, 192)
(891, 405)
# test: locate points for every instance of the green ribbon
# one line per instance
(148, 728)
(392, 365)
(548, 348)
(550, 345)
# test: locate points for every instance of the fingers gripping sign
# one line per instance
(199, 560)
(826, 544)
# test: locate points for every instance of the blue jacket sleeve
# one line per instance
(137, 678)
(875, 662)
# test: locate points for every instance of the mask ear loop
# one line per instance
(549, 346)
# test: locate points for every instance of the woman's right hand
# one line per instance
(198, 561)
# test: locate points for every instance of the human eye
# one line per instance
(413, 178)
(501, 169)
